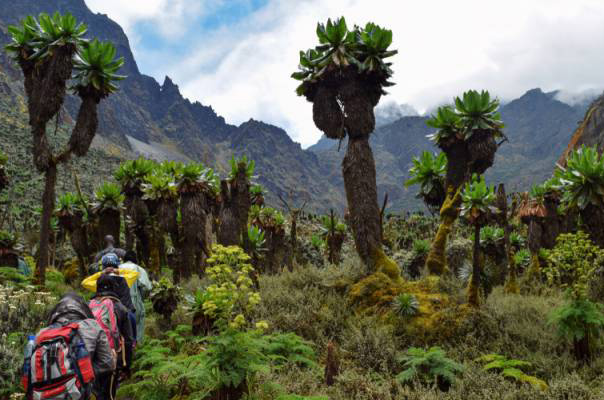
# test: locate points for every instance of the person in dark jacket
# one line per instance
(106, 386)
(109, 248)
(72, 308)
(111, 263)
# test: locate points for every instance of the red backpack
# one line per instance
(104, 313)
(59, 367)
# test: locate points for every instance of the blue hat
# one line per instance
(110, 260)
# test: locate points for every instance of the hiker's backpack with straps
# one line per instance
(60, 367)
(104, 313)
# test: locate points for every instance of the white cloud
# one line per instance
(170, 16)
(444, 46)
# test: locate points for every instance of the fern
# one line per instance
(511, 368)
(428, 366)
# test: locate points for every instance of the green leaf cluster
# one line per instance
(241, 164)
(474, 113)
(429, 172)
(490, 235)
(108, 196)
(428, 365)
(477, 199)
(362, 48)
(95, 65)
(94, 62)
(511, 368)
(582, 180)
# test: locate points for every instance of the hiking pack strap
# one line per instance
(72, 356)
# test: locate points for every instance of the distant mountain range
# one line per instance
(153, 119)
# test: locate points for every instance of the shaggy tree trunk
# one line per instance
(79, 241)
(581, 349)
(535, 233)
(476, 270)
(86, 125)
(358, 169)
(334, 247)
(228, 224)
(109, 224)
(592, 218)
(48, 206)
(240, 192)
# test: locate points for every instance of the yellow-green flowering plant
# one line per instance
(230, 295)
(572, 262)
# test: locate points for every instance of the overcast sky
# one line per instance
(237, 55)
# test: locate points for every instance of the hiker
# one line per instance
(77, 346)
(138, 291)
(111, 263)
(113, 318)
(109, 248)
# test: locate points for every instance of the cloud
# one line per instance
(242, 69)
(170, 17)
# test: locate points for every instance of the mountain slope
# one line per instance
(537, 125)
(153, 119)
(149, 118)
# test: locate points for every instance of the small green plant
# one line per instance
(512, 369)
(405, 305)
(517, 241)
(238, 164)
(165, 297)
(316, 242)
(421, 247)
(582, 322)
(429, 366)
(490, 235)
(522, 258)
(256, 240)
(329, 225)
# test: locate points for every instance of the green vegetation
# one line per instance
(511, 369)
(429, 172)
(250, 302)
(429, 366)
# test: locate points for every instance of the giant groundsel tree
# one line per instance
(344, 77)
(51, 51)
(467, 134)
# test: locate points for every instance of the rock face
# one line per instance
(152, 118)
(590, 131)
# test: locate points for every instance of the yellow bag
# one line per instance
(130, 275)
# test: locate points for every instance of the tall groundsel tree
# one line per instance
(477, 203)
(51, 51)
(467, 133)
(344, 77)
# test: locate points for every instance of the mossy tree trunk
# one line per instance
(436, 262)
